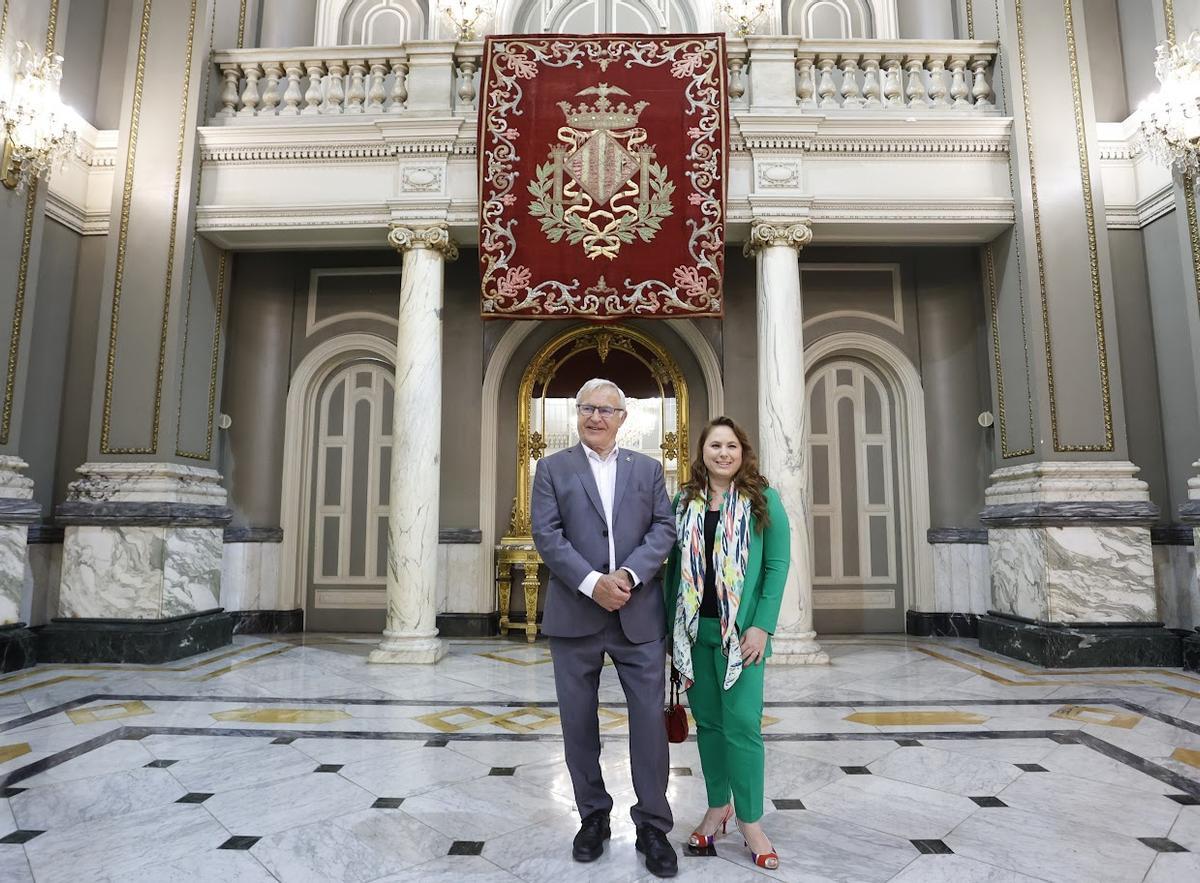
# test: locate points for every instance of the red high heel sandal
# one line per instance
(766, 860)
(703, 841)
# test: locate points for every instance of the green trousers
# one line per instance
(728, 725)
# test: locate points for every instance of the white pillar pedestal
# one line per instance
(1190, 512)
(411, 634)
(781, 427)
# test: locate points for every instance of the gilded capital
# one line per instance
(767, 233)
(434, 236)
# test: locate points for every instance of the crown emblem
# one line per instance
(603, 114)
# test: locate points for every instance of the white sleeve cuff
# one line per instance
(633, 576)
(589, 583)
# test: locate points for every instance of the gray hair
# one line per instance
(599, 383)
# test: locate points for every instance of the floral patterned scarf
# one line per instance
(731, 551)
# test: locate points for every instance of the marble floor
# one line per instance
(290, 758)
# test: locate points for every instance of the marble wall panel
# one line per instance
(43, 575)
(461, 569)
(12, 570)
(191, 570)
(1073, 574)
(961, 578)
(122, 572)
(250, 576)
(1017, 556)
(1177, 586)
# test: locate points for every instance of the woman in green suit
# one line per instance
(723, 586)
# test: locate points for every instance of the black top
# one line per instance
(708, 601)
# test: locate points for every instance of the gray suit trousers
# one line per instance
(642, 670)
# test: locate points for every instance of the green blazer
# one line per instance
(766, 572)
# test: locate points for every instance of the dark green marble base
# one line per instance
(1191, 652)
(16, 647)
(147, 641)
(941, 625)
(1061, 646)
(468, 625)
(267, 622)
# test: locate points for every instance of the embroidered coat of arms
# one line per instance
(602, 167)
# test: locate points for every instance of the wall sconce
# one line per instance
(743, 14)
(465, 16)
(1170, 125)
(38, 129)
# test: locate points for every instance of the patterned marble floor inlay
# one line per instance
(293, 759)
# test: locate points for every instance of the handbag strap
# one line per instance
(675, 679)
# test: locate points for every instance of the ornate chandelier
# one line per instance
(39, 131)
(743, 14)
(465, 16)
(1170, 124)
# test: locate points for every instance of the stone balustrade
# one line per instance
(830, 76)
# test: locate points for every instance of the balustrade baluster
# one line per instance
(805, 86)
(871, 85)
(937, 83)
(915, 88)
(399, 86)
(466, 82)
(826, 87)
(270, 99)
(313, 97)
(250, 93)
(958, 82)
(357, 92)
(232, 72)
(292, 95)
(981, 89)
(376, 93)
(737, 87)
(335, 92)
(893, 87)
(851, 93)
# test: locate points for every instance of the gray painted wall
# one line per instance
(1176, 362)
(287, 22)
(1138, 39)
(81, 360)
(1139, 375)
(926, 19)
(46, 373)
(1105, 62)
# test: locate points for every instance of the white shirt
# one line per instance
(604, 470)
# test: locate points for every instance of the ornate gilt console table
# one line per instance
(519, 552)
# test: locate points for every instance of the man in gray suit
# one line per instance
(603, 525)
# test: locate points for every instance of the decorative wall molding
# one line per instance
(312, 324)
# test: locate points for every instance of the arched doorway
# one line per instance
(656, 425)
(868, 485)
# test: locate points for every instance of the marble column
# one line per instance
(781, 421)
(411, 634)
(17, 511)
(1189, 513)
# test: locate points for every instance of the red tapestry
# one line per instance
(602, 168)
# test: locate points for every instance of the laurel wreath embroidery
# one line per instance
(643, 222)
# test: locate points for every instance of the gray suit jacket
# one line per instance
(571, 536)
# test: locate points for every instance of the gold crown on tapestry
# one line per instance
(603, 114)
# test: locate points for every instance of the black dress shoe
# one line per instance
(661, 860)
(589, 842)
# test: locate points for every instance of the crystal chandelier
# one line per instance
(39, 131)
(1170, 124)
(465, 17)
(743, 14)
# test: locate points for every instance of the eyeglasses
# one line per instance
(604, 411)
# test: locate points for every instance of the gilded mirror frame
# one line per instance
(542, 369)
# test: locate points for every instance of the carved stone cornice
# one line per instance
(433, 236)
(772, 233)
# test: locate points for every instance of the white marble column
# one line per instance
(781, 422)
(411, 633)
(1190, 511)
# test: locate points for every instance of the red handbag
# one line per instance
(676, 714)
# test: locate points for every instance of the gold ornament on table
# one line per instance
(38, 129)
(1170, 117)
(743, 15)
(466, 17)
